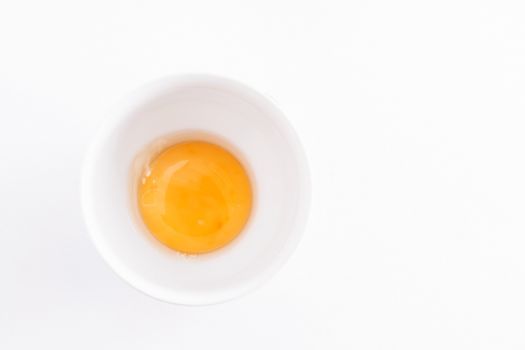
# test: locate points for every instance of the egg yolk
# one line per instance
(195, 197)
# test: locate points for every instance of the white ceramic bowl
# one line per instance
(197, 107)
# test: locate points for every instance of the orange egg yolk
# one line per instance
(195, 197)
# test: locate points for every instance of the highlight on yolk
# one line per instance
(195, 197)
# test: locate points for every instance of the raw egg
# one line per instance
(195, 197)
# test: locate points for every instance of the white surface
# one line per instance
(209, 108)
(411, 113)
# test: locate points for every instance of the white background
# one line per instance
(412, 116)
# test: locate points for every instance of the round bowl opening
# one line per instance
(220, 111)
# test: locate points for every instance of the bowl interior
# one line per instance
(215, 110)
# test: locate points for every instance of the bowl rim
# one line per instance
(118, 114)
